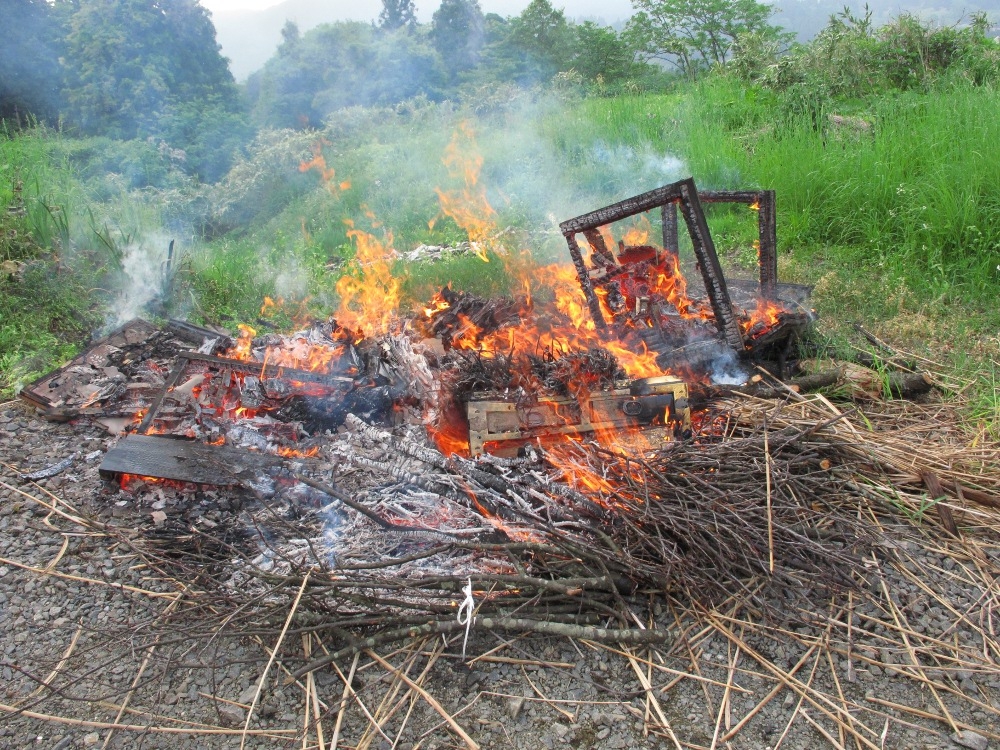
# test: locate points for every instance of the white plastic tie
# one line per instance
(465, 610)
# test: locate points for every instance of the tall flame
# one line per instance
(468, 205)
(369, 296)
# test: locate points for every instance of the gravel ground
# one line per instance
(75, 604)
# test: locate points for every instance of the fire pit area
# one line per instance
(622, 458)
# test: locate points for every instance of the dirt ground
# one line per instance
(909, 660)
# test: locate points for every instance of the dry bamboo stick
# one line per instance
(270, 661)
(390, 694)
(843, 700)
(826, 735)
(769, 697)
(361, 704)
(897, 616)
(62, 551)
(664, 722)
(92, 581)
(274, 733)
(138, 676)
(431, 661)
(930, 715)
(317, 715)
(343, 701)
(469, 742)
(545, 700)
(724, 705)
(78, 520)
(665, 669)
(832, 710)
(58, 667)
(694, 661)
(228, 702)
(798, 705)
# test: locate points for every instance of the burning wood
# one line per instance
(499, 426)
(642, 293)
(326, 433)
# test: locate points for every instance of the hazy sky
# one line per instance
(222, 6)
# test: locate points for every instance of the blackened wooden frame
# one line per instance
(685, 194)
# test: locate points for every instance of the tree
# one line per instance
(693, 34)
(601, 54)
(30, 76)
(339, 65)
(290, 36)
(152, 69)
(457, 34)
(396, 14)
(129, 61)
(542, 38)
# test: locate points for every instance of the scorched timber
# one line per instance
(182, 460)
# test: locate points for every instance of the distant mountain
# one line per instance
(807, 17)
(249, 39)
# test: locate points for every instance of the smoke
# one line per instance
(642, 168)
(727, 369)
(292, 281)
(144, 281)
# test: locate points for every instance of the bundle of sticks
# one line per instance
(770, 497)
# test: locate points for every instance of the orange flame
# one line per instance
(638, 232)
(326, 173)
(369, 297)
(764, 317)
(468, 205)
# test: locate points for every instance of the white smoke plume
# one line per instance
(144, 278)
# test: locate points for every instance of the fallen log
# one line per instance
(863, 383)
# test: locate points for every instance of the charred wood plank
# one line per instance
(596, 242)
(711, 269)
(766, 229)
(624, 209)
(197, 334)
(182, 460)
(584, 276)
(269, 371)
(908, 384)
(671, 242)
(936, 492)
(975, 496)
(767, 221)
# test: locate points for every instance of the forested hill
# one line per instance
(153, 71)
(249, 39)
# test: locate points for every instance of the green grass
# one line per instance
(61, 238)
(917, 198)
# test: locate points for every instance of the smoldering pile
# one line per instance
(388, 530)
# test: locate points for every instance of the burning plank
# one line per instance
(500, 427)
